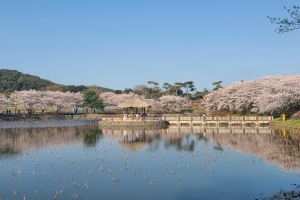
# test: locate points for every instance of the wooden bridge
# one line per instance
(179, 120)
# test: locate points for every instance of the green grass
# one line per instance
(291, 123)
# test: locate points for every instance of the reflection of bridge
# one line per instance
(179, 131)
(193, 120)
(231, 120)
(274, 146)
(278, 147)
(218, 130)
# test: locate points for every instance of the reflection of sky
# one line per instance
(109, 170)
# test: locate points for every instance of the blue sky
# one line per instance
(123, 43)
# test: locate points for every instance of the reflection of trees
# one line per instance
(91, 136)
(218, 147)
(16, 140)
(154, 144)
(7, 151)
(202, 137)
(184, 143)
(279, 147)
(136, 139)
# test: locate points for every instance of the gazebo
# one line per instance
(135, 103)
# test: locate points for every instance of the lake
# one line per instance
(79, 160)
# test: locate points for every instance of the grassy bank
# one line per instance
(291, 123)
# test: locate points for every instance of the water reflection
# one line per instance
(91, 136)
(16, 140)
(86, 162)
(279, 147)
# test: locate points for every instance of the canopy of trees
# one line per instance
(4, 101)
(92, 100)
(110, 98)
(33, 100)
(270, 95)
(12, 80)
(173, 104)
(152, 90)
(166, 103)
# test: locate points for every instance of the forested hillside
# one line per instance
(12, 80)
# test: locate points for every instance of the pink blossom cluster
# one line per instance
(168, 103)
(269, 95)
(171, 103)
(110, 98)
(33, 100)
(4, 101)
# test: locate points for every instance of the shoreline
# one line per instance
(43, 123)
(8, 120)
(289, 124)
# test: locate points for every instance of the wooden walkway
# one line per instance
(195, 121)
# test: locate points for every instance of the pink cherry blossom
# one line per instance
(268, 95)
(4, 101)
(33, 100)
(111, 98)
(170, 103)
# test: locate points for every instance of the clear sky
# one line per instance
(122, 43)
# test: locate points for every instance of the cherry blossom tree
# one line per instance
(76, 100)
(32, 100)
(4, 101)
(65, 100)
(46, 101)
(29, 99)
(111, 98)
(13, 103)
(168, 103)
(171, 103)
(269, 95)
(155, 104)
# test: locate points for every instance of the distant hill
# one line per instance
(12, 80)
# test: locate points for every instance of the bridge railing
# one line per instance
(128, 119)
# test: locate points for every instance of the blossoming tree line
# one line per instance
(166, 103)
(42, 101)
(270, 95)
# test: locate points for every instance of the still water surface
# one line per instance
(81, 161)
